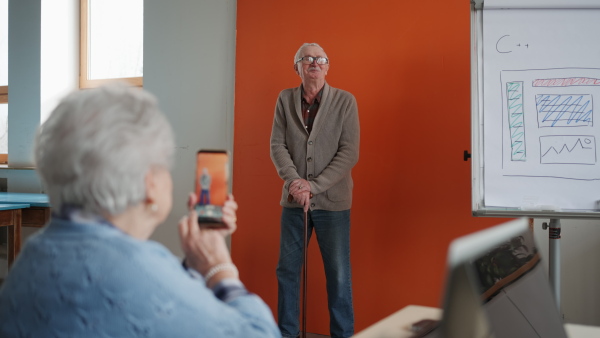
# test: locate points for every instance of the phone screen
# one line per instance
(212, 176)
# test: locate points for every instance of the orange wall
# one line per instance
(407, 63)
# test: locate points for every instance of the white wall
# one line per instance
(24, 69)
(189, 64)
(580, 270)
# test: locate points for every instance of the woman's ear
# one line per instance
(151, 187)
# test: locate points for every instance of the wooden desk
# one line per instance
(11, 217)
(38, 213)
(397, 325)
(34, 200)
(22, 209)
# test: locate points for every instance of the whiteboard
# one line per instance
(536, 109)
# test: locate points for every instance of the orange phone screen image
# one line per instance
(211, 177)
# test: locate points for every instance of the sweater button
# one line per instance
(309, 159)
(310, 176)
(310, 143)
(312, 205)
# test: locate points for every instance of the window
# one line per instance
(111, 42)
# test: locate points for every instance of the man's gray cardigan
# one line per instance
(325, 157)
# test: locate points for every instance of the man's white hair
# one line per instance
(96, 147)
(299, 52)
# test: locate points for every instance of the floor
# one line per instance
(315, 335)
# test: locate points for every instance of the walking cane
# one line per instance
(304, 275)
(304, 267)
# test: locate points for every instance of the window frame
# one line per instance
(84, 81)
(3, 94)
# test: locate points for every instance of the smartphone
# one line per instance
(212, 177)
(424, 327)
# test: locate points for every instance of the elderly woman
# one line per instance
(104, 157)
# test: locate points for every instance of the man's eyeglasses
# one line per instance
(307, 60)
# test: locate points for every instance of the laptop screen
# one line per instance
(497, 287)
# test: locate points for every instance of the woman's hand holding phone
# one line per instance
(205, 248)
(229, 216)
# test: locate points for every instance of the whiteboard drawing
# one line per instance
(568, 149)
(514, 95)
(566, 82)
(548, 127)
(560, 110)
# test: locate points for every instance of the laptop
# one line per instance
(497, 287)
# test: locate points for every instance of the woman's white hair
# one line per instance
(299, 52)
(96, 147)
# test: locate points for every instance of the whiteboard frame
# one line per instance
(477, 149)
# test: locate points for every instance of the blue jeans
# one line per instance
(204, 197)
(332, 229)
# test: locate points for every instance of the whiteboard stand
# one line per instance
(479, 85)
(554, 253)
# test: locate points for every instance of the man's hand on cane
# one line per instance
(300, 193)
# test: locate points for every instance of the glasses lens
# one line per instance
(307, 60)
(321, 60)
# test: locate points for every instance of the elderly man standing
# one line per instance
(314, 145)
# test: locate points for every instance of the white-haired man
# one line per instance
(314, 145)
